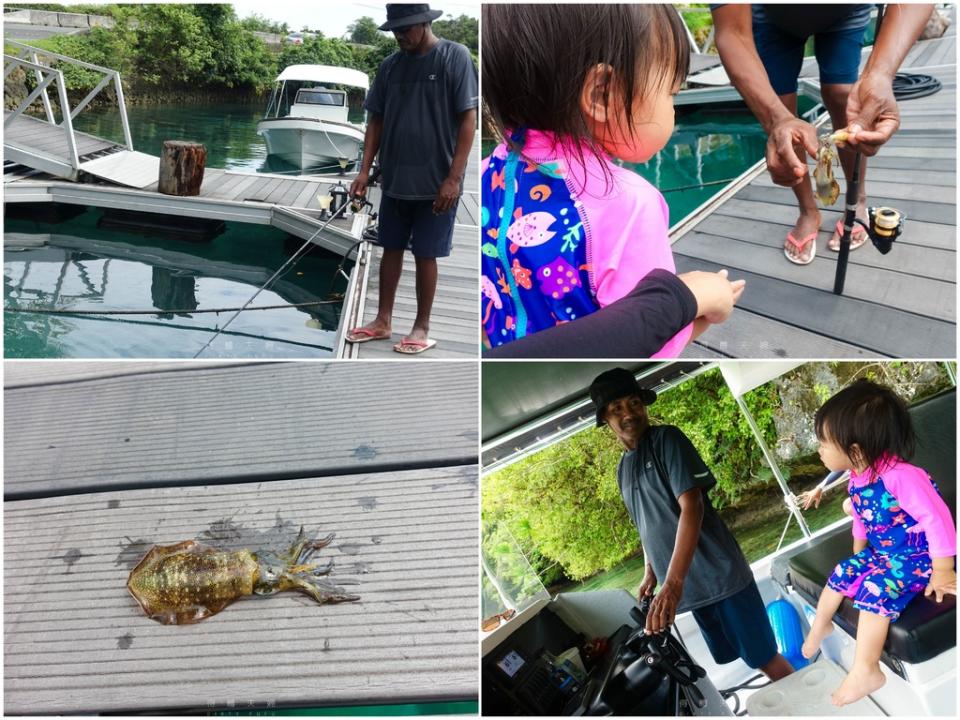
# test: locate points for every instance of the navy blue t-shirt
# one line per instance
(421, 98)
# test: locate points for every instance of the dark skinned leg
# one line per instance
(809, 220)
(779, 667)
(835, 99)
(427, 276)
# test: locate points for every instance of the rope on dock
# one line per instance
(158, 311)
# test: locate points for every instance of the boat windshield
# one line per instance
(321, 97)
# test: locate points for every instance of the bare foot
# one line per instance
(814, 638)
(377, 330)
(857, 685)
(807, 223)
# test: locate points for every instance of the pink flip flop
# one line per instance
(413, 347)
(800, 245)
(857, 239)
(362, 335)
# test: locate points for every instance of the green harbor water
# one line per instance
(709, 148)
(81, 265)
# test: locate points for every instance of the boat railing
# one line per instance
(47, 75)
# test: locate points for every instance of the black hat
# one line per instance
(405, 14)
(613, 385)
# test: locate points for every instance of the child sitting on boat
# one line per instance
(904, 538)
(565, 231)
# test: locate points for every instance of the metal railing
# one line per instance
(46, 75)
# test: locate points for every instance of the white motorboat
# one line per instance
(306, 121)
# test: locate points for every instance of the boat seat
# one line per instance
(925, 628)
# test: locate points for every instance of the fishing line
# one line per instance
(293, 258)
(159, 311)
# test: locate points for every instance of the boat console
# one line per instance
(625, 673)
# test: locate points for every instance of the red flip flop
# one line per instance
(413, 347)
(362, 335)
(858, 236)
(800, 245)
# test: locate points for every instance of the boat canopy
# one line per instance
(325, 73)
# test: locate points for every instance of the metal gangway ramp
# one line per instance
(53, 146)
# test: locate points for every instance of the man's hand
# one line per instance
(358, 188)
(663, 609)
(787, 142)
(872, 113)
(447, 196)
(942, 582)
(647, 585)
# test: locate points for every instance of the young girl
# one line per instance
(565, 231)
(904, 538)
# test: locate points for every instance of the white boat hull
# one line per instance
(311, 143)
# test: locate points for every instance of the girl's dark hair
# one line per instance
(870, 416)
(535, 60)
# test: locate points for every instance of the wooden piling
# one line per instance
(181, 168)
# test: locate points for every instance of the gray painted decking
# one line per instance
(899, 305)
(388, 476)
(455, 320)
(39, 135)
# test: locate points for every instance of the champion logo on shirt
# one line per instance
(649, 463)
(432, 76)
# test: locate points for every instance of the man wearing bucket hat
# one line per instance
(700, 567)
(422, 115)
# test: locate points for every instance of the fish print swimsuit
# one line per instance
(564, 232)
(536, 273)
(896, 565)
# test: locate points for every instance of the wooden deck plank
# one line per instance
(748, 335)
(238, 190)
(304, 198)
(943, 213)
(207, 423)
(883, 330)
(932, 235)
(866, 280)
(84, 646)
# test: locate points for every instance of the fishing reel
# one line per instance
(883, 227)
(886, 225)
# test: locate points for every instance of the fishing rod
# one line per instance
(885, 224)
(293, 258)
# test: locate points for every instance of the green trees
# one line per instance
(365, 31)
(199, 46)
(170, 45)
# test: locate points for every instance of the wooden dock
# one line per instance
(455, 320)
(898, 305)
(109, 459)
(49, 162)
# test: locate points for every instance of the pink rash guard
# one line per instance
(915, 493)
(625, 221)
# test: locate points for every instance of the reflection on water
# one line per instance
(84, 267)
(705, 152)
(707, 149)
(229, 131)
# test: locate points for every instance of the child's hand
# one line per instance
(811, 497)
(715, 294)
(942, 582)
